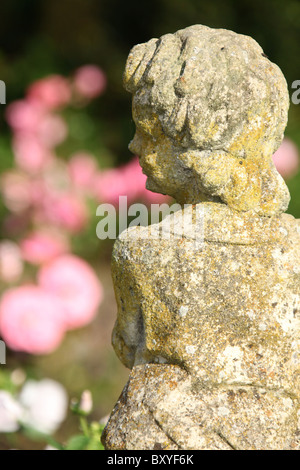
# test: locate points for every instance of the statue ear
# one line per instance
(243, 190)
(256, 186)
(234, 181)
(213, 173)
(242, 184)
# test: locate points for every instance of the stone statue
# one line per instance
(210, 330)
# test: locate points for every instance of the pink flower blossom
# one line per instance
(56, 202)
(43, 245)
(31, 320)
(286, 159)
(36, 132)
(82, 168)
(51, 92)
(89, 81)
(11, 264)
(23, 115)
(66, 210)
(76, 285)
(127, 180)
(52, 130)
(16, 191)
(56, 178)
(109, 185)
(30, 154)
(155, 198)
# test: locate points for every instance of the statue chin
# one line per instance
(151, 185)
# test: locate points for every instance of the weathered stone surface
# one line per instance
(209, 298)
(163, 407)
(227, 311)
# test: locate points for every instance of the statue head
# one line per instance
(210, 110)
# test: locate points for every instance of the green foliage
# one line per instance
(89, 440)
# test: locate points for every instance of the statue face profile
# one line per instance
(156, 155)
(210, 110)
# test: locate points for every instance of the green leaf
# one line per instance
(95, 444)
(38, 436)
(78, 442)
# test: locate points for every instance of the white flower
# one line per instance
(10, 412)
(86, 402)
(46, 405)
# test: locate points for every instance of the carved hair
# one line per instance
(215, 92)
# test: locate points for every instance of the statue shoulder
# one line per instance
(131, 244)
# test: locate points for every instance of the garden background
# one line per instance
(64, 133)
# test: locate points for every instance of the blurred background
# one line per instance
(64, 133)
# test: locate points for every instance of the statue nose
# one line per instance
(135, 146)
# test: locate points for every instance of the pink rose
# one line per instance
(52, 131)
(286, 159)
(31, 320)
(132, 172)
(127, 180)
(109, 185)
(89, 81)
(23, 115)
(82, 168)
(51, 92)
(77, 287)
(41, 246)
(30, 154)
(55, 179)
(155, 198)
(65, 210)
(16, 191)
